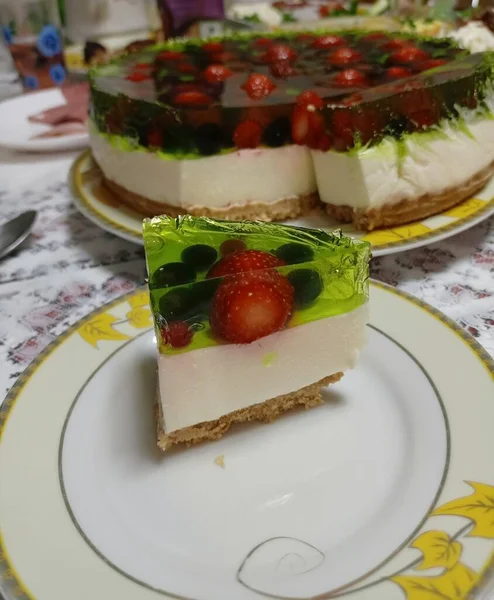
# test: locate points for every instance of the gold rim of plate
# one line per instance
(98, 204)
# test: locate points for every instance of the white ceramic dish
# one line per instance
(103, 208)
(385, 492)
(16, 130)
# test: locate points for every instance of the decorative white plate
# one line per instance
(103, 208)
(16, 130)
(385, 492)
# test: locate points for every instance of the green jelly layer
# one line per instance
(328, 271)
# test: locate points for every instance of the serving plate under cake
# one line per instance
(103, 207)
(382, 493)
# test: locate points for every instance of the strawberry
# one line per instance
(217, 73)
(282, 69)
(375, 37)
(258, 86)
(396, 44)
(348, 125)
(241, 262)
(277, 52)
(249, 306)
(223, 57)
(398, 72)
(350, 78)
(308, 98)
(423, 118)
(143, 66)
(307, 126)
(177, 334)
(328, 41)
(170, 55)
(212, 47)
(263, 42)
(324, 143)
(247, 134)
(407, 55)
(192, 98)
(432, 63)
(138, 76)
(155, 138)
(345, 56)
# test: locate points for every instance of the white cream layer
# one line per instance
(206, 384)
(261, 175)
(425, 163)
(428, 163)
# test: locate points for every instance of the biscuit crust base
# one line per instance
(407, 211)
(288, 208)
(265, 411)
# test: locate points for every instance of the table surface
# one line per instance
(69, 266)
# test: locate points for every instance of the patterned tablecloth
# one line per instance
(69, 266)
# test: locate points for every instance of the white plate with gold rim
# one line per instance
(385, 492)
(102, 207)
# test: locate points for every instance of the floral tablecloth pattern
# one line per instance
(69, 266)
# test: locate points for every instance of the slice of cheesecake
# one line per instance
(252, 319)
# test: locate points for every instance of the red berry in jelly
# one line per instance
(216, 73)
(177, 334)
(328, 41)
(398, 72)
(345, 56)
(258, 86)
(350, 78)
(247, 134)
(407, 55)
(277, 52)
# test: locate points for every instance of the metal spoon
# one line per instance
(15, 231)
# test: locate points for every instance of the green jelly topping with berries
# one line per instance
(326, 90)
(215, 282)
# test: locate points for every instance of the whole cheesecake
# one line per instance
(381, 128)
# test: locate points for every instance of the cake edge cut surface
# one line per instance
(265, 412)
(411, 209)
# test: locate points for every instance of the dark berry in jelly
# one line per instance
(307, 286)
(173, 274)
(277, 133)
(177, 304)
(209, 138)
(397, 126)
(231, 246)
(293, 253)
(199, 256)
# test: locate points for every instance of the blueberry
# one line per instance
(188, 303)
(397, 126)
(294, 253)
(209, 139)
(307, 285)
(176, 305)
(203, 294)
(173, 274)
(277, 133)
(200, 256)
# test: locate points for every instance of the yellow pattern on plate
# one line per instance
(103, 207)
(396, 234)
(439, 550)
(465, 209)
